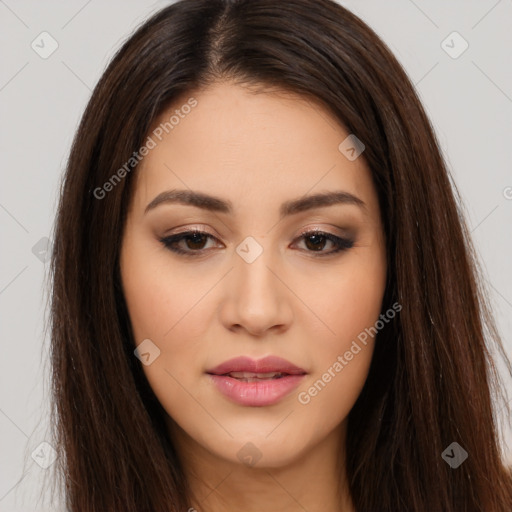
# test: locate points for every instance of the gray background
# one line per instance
(468, 98)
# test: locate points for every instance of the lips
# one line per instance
(255, 377)
(256, 383)
(266, 368)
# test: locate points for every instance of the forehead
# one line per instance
(236, 143)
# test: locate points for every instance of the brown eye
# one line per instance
(194, 242)
(315, 241)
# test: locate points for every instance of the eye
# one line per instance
(195, 241)
(316, 240)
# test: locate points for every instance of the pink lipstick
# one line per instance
(256, 383)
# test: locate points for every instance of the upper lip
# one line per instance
(267, 364)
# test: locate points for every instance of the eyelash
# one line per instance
(170, 242)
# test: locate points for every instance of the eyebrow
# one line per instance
(291, 207)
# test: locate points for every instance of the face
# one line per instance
(270, 273)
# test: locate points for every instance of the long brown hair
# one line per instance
(432, 381)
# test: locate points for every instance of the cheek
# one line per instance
(349, 301)
(349, 308)
(166, 307)
(159, 299)
(340, 372)
(325, 401)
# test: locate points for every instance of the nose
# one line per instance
(257, 298)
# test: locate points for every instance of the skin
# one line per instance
(257, 151)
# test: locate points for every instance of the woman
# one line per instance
(264, 293)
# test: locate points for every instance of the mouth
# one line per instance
(266, 368)
(254, 377)
(256, 383)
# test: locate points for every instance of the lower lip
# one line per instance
(256, 394)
